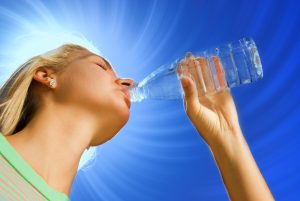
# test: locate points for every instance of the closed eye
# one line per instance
(102, 66)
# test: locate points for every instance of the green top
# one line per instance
(16, 161)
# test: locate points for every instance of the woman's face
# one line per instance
(90, 83)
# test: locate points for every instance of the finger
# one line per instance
(197, 112)
(188, 86)
(204, 67)
(195, 70)
(192, 103)
(189, 67)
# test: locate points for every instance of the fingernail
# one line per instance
(183, 80)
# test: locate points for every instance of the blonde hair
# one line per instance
(18, 103)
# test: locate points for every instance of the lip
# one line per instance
(127, 97)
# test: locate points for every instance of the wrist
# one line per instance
(230, 145)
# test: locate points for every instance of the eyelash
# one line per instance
(102, 67)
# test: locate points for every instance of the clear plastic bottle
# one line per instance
(226, 66)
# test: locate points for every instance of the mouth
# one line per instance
(127, 97)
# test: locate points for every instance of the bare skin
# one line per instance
(215, 118)
(88, 107)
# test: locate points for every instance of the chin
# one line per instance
(116, 122)
(116, 116)
(120, 113)
(123, 114)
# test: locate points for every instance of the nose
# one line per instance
(125, 82)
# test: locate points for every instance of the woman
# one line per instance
(58, 104)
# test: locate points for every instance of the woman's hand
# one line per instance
(214, 115)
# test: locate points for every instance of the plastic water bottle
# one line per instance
(212, 70)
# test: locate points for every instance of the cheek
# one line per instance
(85, 86)
(96, 92)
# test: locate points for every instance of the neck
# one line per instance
(52, 144)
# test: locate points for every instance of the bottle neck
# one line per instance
(137, 94)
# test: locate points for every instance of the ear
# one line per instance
(43, 75)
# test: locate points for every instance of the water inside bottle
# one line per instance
(163, 83)
(213, 70)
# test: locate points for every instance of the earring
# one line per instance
(53, 83)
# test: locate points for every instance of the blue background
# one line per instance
(158, 155)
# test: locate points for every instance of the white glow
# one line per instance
(39, 42)
(88, 158)
(25, 46)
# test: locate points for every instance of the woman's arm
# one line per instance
(216, 119)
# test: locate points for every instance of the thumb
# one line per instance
(188, 86)
(200, 115)
(192, 103)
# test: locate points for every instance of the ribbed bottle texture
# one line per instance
(212, 70)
